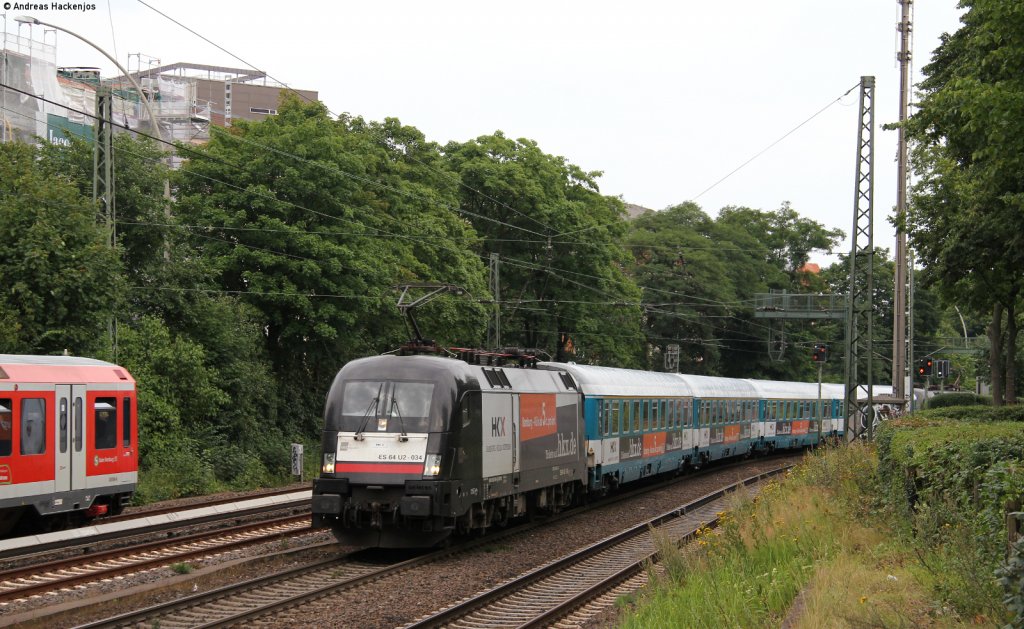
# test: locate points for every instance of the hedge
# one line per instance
(974, 413)
(958, 399)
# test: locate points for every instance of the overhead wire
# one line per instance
(549, 269)
(380, 232)
(304, 97)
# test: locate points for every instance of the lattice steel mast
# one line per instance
(859, 332)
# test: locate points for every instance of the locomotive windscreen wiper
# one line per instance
(401, 421)
(366, 416)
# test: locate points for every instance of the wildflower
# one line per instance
(863, 599)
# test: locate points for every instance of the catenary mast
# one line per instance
(899, 332)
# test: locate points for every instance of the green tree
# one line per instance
(312, 221)
(143, 222)
(967, 210)
(683, 271)
(700, 277)
(60, 279)
(563, 288)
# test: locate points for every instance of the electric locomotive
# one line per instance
(68, 441)
(416, 447)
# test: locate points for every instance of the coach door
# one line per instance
(62, 468)
(69, 438)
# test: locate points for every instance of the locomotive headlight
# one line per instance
(328, 467)
(432, 465)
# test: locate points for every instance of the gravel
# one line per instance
(401, 599)
(415, 594)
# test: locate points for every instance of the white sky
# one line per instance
(664, 98)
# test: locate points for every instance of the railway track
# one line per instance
(265, 597)
(542, 597)
(38, 579)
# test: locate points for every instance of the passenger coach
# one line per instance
(68, 440)
(643, 423)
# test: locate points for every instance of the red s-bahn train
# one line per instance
(68, 441)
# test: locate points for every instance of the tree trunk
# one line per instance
(995, 354)
(1011, 352)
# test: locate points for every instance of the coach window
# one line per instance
(647, 415)
(105, 423)
(636, 416)
(33, 426)
(126, 421)
(63, 419)
(6, 423)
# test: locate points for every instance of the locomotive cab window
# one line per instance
(6, 426)
(105, 423)
(385, 406)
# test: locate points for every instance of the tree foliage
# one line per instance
(967, 211)
(313, 221)
(61, 282)
(700, 276)
(563, 288)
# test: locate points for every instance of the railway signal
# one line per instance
(820, 353)
(925, 368)
(942, 368)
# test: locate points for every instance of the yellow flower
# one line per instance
(863, 599)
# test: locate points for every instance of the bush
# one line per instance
(174, 469)
(1011, 577)
(958, 399)
(950, 481)
(975, 413)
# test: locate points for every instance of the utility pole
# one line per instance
(899, 332)
(496, 293)
(103, 162)
(103, 180)
(859, 329)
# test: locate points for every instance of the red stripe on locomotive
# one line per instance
(380, 468)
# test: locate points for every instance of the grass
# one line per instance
(818, 534)
(181, 567)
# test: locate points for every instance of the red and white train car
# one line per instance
(69, 444)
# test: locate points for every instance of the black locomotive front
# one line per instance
(387, 457)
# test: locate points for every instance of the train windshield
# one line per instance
(385, 406)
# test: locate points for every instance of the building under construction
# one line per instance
(40, 100)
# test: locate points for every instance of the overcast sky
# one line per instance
(665, 98)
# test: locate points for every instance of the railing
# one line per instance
(799, 305)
